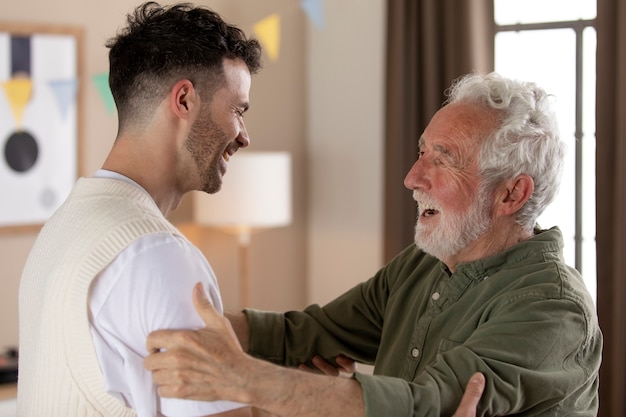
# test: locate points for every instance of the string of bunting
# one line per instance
(266, 30)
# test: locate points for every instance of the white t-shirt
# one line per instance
(146, 288)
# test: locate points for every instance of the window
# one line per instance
(553, 43)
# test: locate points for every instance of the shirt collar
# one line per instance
(543, 242)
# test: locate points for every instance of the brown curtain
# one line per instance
(429, 44)
(611, 202)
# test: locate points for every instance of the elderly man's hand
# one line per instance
(183, 366)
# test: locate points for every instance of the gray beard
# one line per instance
(455, 231)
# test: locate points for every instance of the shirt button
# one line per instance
(436, 296)
(415, 352)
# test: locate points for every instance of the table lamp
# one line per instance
(255, 195)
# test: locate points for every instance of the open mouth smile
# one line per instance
(427, 211)
(230, 151)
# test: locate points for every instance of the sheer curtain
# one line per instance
(611, 202)
(429, 44)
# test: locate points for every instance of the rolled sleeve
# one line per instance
(267, 335)
(385, 396)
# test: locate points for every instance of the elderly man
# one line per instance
(482, 289)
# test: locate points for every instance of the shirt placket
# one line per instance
(446, 291)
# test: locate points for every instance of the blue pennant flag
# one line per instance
(313, 9)
(65, 93)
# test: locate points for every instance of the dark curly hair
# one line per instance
(163, 44)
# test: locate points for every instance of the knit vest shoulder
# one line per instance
(58, 368)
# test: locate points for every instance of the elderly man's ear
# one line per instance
(514, 194)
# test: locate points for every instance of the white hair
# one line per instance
(526, 141)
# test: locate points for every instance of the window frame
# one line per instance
(578, 26)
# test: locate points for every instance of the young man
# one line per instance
(108, 268)
(482, 289)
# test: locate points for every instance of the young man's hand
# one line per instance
(471, 397)
(345, 365)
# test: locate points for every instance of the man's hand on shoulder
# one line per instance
(471, 397)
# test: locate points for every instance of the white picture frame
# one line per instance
(40, 121)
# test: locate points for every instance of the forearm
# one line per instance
(289, 392)
(209, 365)
(238, 412)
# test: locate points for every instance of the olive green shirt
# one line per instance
(522, 317)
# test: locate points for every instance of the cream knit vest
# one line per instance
(59, 373)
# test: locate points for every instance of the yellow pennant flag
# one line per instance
(18, 91)
(268, 32)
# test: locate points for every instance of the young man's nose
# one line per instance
(243, 139)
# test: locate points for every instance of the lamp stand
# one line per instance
(244, 237)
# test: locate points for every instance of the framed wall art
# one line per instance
(40, 121)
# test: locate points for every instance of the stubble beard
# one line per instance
(203, 141)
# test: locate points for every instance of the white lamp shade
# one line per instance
(255, 194)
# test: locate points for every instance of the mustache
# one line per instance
(424, 200)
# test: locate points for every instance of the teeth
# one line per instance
(426, 205)
(226, 156)
(428, 211)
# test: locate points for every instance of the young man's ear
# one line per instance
(183, 99)
(515, 193)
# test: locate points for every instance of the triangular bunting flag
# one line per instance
(18, 91)
(268, 32)
(313, 9)
(65, 93)
(102, 85)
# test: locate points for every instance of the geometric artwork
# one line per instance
(39, 122)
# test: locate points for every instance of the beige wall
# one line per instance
(345, 147)
(322, 101)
